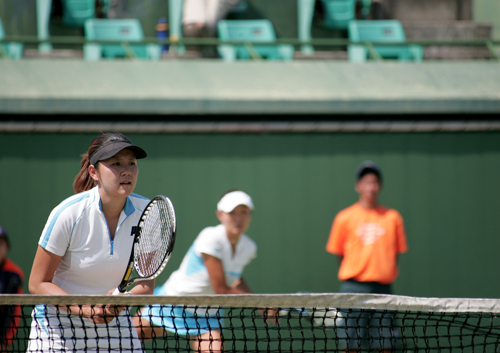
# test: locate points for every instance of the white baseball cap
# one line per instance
(233, 199)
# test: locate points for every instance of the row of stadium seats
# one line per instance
(130, 30)
(337, 14)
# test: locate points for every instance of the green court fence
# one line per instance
(444, 182)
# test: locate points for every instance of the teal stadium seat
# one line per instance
(10, 50)
(251, 31)
(338, 13)
(76, 12)
(388, 31)
(334, 14)
(123, 30)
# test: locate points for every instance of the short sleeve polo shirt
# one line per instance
(192, 276)
(92, 262)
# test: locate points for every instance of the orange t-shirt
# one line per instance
(369, 241)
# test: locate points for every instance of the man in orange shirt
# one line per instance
(368, 238)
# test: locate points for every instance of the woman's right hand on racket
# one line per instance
(97, 313)
(141, 288)
(104, 314)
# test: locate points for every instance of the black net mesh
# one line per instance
(250, 323)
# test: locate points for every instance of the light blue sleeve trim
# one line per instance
(40, 315)
(129, 207)
(131, 198)
(54, 219)
(195, 263)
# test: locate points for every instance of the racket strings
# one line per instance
(154, 242)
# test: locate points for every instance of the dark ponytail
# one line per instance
(83, 181)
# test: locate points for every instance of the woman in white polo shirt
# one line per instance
(84, 249)
(213, 265)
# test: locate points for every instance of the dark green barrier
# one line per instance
(446, 186)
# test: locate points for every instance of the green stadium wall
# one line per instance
(446, 186)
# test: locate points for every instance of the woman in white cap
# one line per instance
(84, 249)
(213, 265)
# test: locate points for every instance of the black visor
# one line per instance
(109, 150)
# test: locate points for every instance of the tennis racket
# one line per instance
(153, 242)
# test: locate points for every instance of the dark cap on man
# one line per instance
(368, 167)
(4, 235)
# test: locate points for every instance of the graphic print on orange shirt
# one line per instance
(370, 232)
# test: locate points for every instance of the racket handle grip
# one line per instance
(117, 292)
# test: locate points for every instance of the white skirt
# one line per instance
(62, 332)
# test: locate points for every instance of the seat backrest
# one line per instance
(114, 29)
(79, 8)
(389, 31)
(338, 10)
(246, 30)
(75, 12)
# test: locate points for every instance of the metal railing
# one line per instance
(253, 127)
(491, 45)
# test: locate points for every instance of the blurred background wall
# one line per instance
(445, 185)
